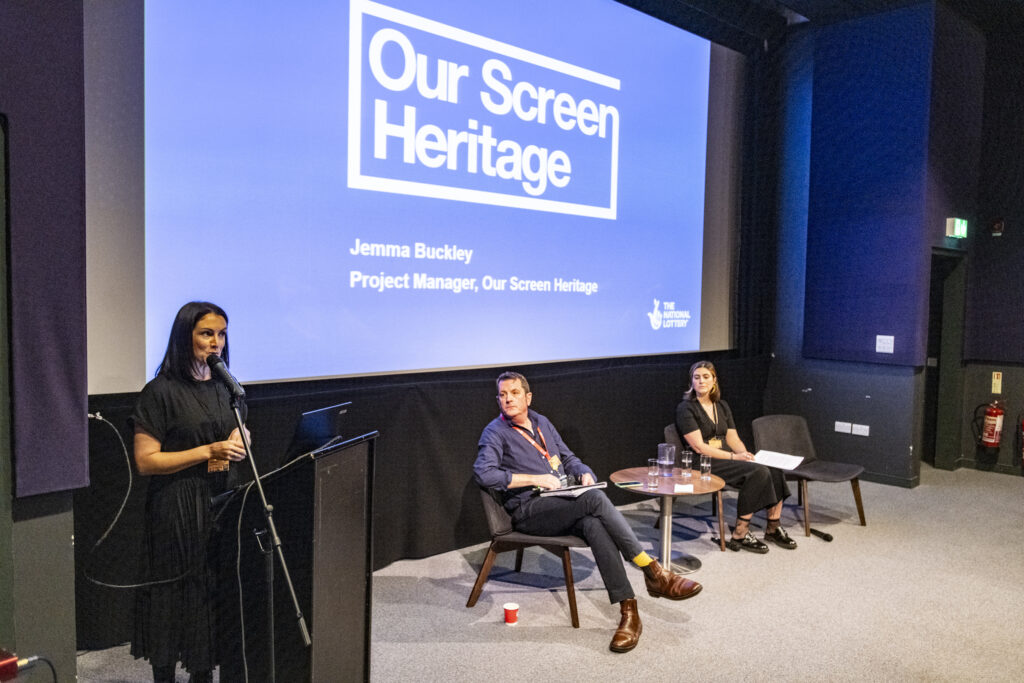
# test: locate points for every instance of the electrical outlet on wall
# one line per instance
(843, 427)
(997, 382)
(861, 430)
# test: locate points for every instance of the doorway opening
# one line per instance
(943, 382)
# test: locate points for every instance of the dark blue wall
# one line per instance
(867, 268)
(42, 96)
(826, 391)
(879, 132)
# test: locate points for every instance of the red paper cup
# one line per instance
(511, 613)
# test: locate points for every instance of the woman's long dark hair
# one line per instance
(178, 358)
(714, 394)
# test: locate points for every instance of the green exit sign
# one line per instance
(956, 227)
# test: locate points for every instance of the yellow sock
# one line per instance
(643, 559)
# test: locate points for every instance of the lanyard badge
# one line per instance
(553, 461)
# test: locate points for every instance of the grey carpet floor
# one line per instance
(932, 589)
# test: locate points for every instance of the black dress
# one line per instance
(759, 487)
(175, 619)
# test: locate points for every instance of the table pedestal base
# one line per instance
(679, 484)
(680, 563)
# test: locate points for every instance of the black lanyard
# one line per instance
(714, 411)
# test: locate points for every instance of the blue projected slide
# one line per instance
(418, 184)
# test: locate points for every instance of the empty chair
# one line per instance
(505, 538)
(789, 434)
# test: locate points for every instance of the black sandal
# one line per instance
(779, 537)
(748, 542)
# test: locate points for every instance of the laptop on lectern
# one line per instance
(316, 429)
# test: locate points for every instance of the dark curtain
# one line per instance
(754, 304)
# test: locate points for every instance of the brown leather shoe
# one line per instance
(627, 635)
(662, 583)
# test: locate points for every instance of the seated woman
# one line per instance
(705, 423)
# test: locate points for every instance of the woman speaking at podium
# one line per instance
(186, 438)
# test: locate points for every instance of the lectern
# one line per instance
(323, 510)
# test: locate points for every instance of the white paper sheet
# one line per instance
(779, 460)
(573, 491)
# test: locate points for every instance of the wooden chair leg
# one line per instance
(519, 560)
(807, 507)
(855, 485)
(481, 578)
(570, 587)
(716, 500)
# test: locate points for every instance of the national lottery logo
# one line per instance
(438, 111)
(655, 316)
(665, 316)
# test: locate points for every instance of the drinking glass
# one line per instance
(685, 462)
(653, 473)
(705, 467)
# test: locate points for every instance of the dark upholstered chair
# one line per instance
(505, 538)
(672, 437)
(789, 434)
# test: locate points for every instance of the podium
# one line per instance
(323, 511)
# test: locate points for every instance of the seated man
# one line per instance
(519, 451)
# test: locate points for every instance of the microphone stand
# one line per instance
(275, 540)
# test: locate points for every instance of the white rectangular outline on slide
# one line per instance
(358, 181)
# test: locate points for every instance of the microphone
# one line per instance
(220, 371)
(824, 535)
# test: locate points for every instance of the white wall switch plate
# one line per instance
(861, 430)
(843, 427)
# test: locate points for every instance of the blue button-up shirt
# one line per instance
(502, 452)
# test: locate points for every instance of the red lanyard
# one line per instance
(542, 450)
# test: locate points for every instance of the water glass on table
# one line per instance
(653, 474)
(705, 467)
(666, 458)
(685, 462)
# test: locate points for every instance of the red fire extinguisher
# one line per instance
(992, 426)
